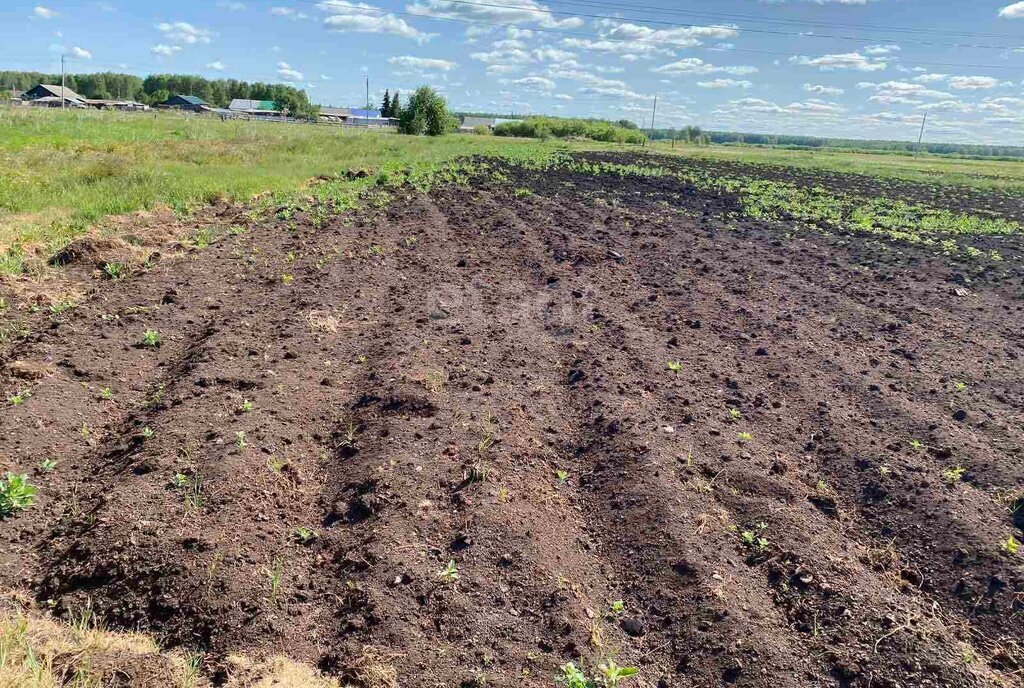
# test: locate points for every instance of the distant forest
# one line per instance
(157, 88)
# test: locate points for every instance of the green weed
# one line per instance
(16, 494)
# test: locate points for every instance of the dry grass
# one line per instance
(37, 651)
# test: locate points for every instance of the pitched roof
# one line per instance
(60, 91)
(335, 111)
(191, 100)
(247, 104)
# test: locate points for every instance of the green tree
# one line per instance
(426, 112)
(385, 107)
(396, 107)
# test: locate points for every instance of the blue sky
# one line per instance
(859, 68)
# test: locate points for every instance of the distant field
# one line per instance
(60, 172)
(930, 169)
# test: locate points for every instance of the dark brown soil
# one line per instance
(491, 387)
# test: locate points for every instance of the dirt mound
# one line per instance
(473, 436)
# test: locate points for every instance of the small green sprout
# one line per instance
(375, 250)
(106, 394)
(19, 397)
(735, 415)
(274, 576)
(16, 494)
(563, 476)
(304, 535)
(147, 433)
(613, 674)
(287, 278)
(916, 445)
(450, 573)
(180, 481)
(744, 437)
(953, 474)
(115, 270)
(753, 540)
(885, 471)
(675, 366)
(618, 606)
(47, 465)
(151, 338)
(1010, 546)
(240, 439)
(246, 406)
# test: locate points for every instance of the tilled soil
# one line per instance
(481, 376)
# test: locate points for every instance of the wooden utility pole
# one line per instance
(654, 113)
(920, 137)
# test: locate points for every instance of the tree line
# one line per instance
(157, 88)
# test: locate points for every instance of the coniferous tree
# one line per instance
(396, 107)
(385, 107)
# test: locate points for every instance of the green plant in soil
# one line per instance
(608, 675)
(18, 398)
(1011, 546)
(240, 439)
(450, 573)
(953, 474)
(16, 494)
(304, 535)
(47, 465)
(675, 366)
(151, 338)
(754, 540)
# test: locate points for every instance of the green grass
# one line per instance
(62, 172)
(929, 169)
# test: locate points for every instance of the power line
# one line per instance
(778, 20)
(479, 22)
(771, 32)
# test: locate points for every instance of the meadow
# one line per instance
(62, 172)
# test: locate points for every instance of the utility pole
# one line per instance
(654, 113)
(367, 90)
(63, 98)
(920, 137)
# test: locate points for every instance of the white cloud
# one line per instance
(812, 108)
(562, 96)
(81, 53)
(973, 83)
(351, 17)
(183, 32)
(231, 6)
(43, 12)
(881, 49)
(947, 106)
(164, 50)
(724, 83)
(841, 61)
(286, 73)
(289, 12)
(534, 82)
(496, 12)
(423, 63)
(930, 78)
(216, 66)
(1014, 11)
(498, 69)
(823, 90)
(685, 35)
(902, 93)
(324, 77)
(695, 65)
